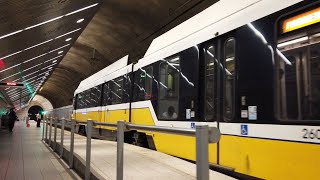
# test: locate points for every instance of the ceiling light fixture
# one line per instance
(31, 73)
(39, 44)
(68, 39)
(68, 33)
(292, 41)
(40, 64)
(45, 22)
(54, 61)
(60, 52)
(80, 20)
(11, 55)
(9, 76)
(29, 69)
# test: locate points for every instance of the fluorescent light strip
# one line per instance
(68, 33)
(59, 48)
(52, 59)
(42, 23)
(10, 34)
(9, 76)
(37, 45)
(293, 41)
(11, 90)
(48, 21)
(33, 77)
(31, 73)
(22, 63)
(40, 63)
(80, 20)
(34, 58)
(82, 9)
(16, 93)
(48, 67)
(11, 55)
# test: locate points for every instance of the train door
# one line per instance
(219, 79)
(219, 83)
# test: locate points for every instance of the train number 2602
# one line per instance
(311, 133)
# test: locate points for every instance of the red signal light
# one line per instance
(1, 63)
(11, 83)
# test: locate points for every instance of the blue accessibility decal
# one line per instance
(244, 129)
(193, 125)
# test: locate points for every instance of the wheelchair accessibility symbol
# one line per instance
(244, 129)
(193, 125)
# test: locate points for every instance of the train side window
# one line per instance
(117, 90)
(95, 96)
(148, 74)
(88, 98)
(143, 83)
(106, 94)
(210, 82)
(168, 106)
(299, 79)
(229, 78)
(126, 88)
(79, 101)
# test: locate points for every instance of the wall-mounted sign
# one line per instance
(302, 20)
(12, 84)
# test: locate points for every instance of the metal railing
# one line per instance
(203, 134)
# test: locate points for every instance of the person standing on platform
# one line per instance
(38, 119)
(12, 118)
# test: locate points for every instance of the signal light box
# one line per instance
(13, 84)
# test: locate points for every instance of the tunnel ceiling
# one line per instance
(32, 34)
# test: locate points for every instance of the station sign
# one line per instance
(301, 20)
(13, 84)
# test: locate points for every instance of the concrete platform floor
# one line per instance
(139, 163)
(24, 157)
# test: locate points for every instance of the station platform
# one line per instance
(139, 163)
(24, 156)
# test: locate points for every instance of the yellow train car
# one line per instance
(250, 68)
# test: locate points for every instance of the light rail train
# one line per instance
(250, 68)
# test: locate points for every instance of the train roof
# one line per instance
(90, 81)
(220, 18)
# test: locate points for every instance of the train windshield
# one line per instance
(299, 57)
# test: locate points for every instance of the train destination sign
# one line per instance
(302, 20)
(12, 84)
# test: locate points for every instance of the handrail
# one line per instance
(203, 133)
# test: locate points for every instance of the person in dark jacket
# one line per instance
(12, 118)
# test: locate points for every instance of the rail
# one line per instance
(203, 134)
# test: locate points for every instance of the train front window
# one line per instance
(299, 62)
